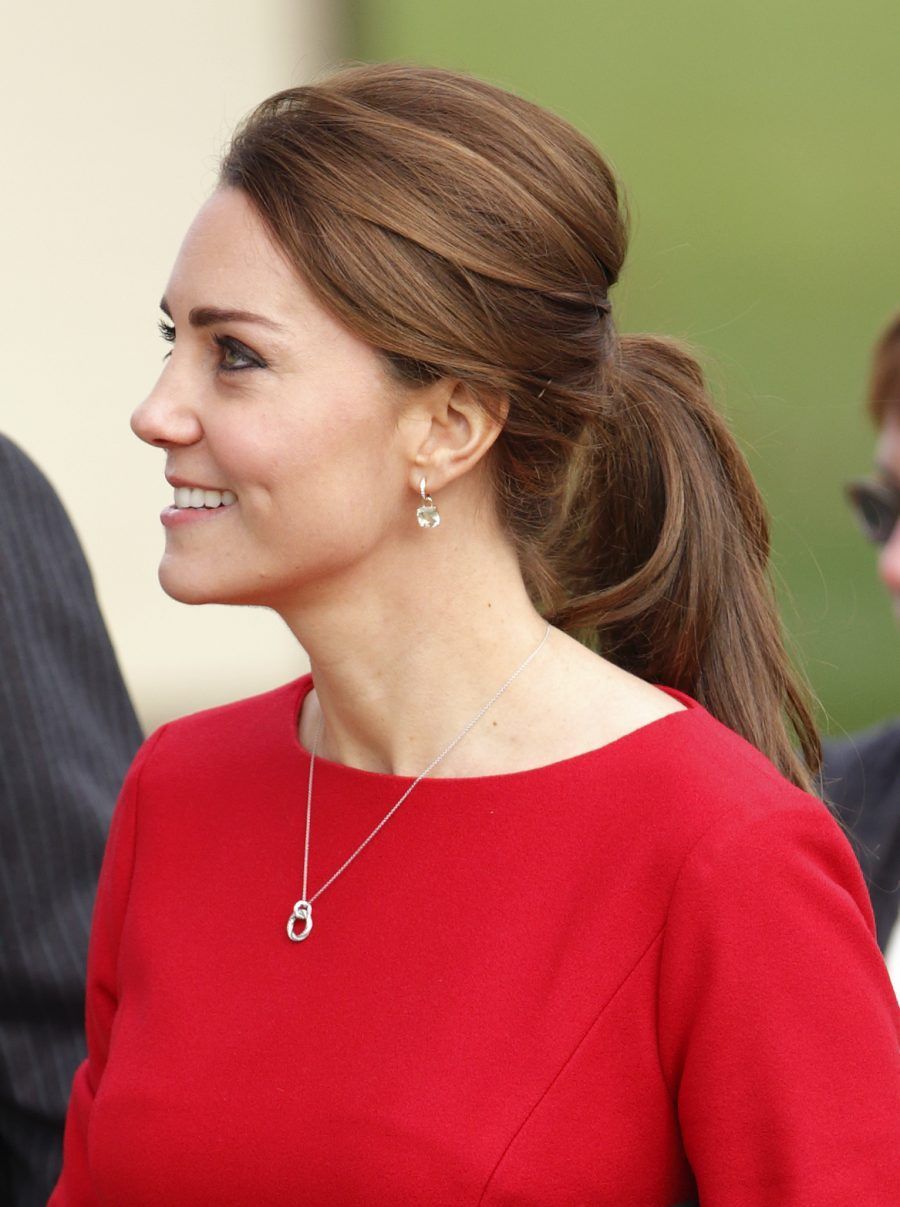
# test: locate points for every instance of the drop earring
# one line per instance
(427, 514)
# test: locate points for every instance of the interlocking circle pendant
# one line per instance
(302, 913)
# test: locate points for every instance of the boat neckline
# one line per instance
(303, 685)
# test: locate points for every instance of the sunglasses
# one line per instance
(876, 506)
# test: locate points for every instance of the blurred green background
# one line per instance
(758, 146)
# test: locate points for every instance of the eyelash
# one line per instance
(225, 343)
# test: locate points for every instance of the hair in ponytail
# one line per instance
(679, 555)
(465, 232)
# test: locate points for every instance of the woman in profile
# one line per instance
(521, 895)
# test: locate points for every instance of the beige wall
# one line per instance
(113, 116)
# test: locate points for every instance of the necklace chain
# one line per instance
(302, 911)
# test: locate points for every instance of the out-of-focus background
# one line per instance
(758, 146)
(112, 120)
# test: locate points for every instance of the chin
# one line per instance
(188, 594)
(189, 588)
(194, 588)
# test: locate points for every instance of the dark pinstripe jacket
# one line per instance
(861, 774)
(67, 735)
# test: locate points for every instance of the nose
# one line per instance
(163, 420)
(889, 562)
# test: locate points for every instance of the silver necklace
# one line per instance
(302, 911)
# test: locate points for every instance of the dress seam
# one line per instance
(719, 824)
(713, 825)
(562, 1068)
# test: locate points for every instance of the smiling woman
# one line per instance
(612, 951)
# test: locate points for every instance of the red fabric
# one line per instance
(636, 977)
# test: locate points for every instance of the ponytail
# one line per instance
(668, 555)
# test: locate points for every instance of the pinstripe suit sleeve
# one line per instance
(67, 734)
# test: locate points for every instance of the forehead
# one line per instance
(229, 258)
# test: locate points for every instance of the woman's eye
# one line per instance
(168, 333)
(235, 356)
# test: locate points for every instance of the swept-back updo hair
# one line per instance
(467, 233)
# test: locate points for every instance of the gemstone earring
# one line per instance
(427, 514)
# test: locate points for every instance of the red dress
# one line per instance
(638, 977)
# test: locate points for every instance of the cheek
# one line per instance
(337, 480)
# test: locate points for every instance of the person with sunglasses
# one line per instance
(861, 774)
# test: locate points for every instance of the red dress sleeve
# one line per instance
(778, 1026)
(74, 1188)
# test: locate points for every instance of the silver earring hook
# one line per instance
(422, 489)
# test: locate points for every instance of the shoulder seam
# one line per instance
(791, 808)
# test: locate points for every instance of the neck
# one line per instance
(407, 649)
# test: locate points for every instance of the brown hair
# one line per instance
(884, 375)
(466, 232)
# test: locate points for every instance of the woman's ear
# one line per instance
(450, 431)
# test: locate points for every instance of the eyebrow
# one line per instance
(207, 316)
